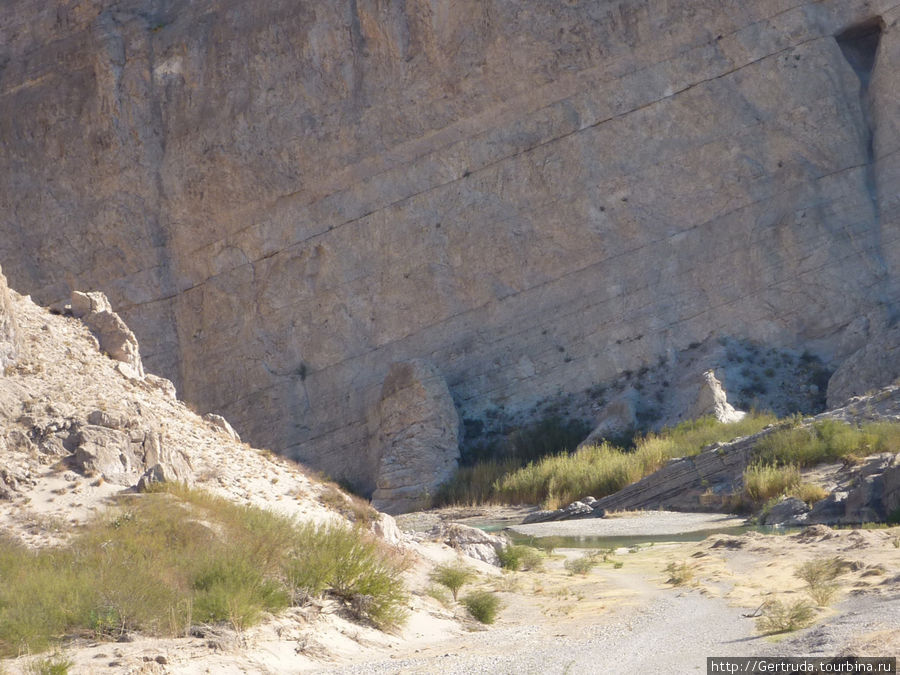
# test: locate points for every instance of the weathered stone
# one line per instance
(829, 511)
(575, 510)
(82, 304)
(9, 331)
(416, 428)
(114, 337)
(106, 452)
(472, 542)
(536, 200)
(126, 458)
(873, 490)
(162, 384)
(222, 424)
(385, 527)
(873, 366)
(102, 418)
(789, 511)
(712, 400)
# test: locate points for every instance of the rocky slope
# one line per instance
(285, 199)
(79, 428)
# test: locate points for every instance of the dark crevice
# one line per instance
(859, 45)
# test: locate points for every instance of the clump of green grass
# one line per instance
(780, 617)
(520, 557)
(601, 470)
(828, 441)
(763, 482)
(56, 664)
(819, 576)
(809, 493)
(453, 577)
(483, 605)
(581, 565)
(679, 573)
(175, 556)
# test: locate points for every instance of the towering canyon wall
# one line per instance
(284, 198)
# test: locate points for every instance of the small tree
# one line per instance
(453, 577)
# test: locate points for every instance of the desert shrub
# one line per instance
(780, 617)
(532, 559)
(453, 577)
(368, 576)
(819, 576)
(763, 482)
(581, 565)
(519, 557)
(175, 556)
(679, 573)
(510, 558)
(828, 441)
(483, 605)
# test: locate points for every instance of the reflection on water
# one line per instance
(558, 541)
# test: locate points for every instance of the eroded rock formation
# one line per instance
(713, 400)
(113, 336)
(282, 199)
(416, 437)
(9, 331)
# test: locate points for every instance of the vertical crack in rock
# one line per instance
(859, 45)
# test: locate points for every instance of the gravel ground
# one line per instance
(642, 523)
(674, 633)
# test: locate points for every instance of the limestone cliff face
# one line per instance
(284, 198)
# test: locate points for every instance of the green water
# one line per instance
(558, 541)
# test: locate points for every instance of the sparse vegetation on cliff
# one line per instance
(164, 561)
(828, 441)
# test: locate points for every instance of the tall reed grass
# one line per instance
(601, 470)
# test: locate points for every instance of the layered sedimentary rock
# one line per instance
(284, 198)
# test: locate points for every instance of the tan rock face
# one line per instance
(282, 199)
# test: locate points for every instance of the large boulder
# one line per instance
(789, 511)
(712, 400)
(471, 541)
(416, 437)
(875, 365)
(113, 335)
(9, 331)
